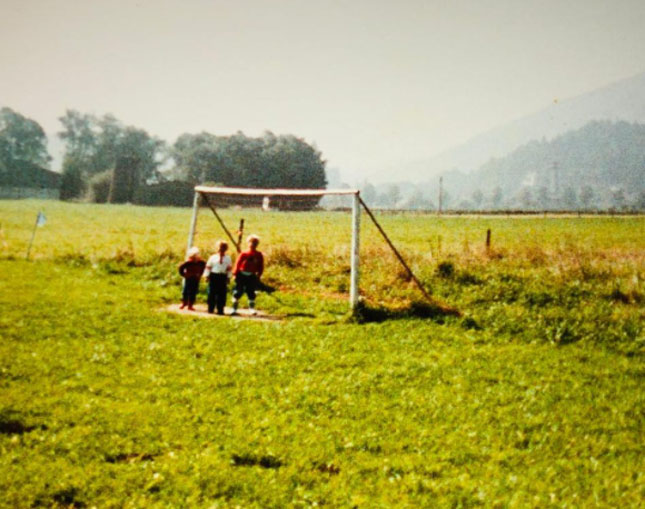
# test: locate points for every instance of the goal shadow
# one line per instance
(369, 313)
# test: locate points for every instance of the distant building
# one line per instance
(28, 180)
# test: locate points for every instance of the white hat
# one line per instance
(193, 251)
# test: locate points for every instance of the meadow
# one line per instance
(531, 398)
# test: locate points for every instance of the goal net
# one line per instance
(226, 203)
(316, 253)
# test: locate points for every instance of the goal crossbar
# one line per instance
(273, 192)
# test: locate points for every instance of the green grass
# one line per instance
(532, 399)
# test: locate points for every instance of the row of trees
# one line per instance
(587, 197)
(107, 161)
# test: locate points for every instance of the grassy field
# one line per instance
(533, 398)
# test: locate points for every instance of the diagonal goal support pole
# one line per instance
(221, 222)
(443, 307)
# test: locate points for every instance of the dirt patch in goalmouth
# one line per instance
(201, 311)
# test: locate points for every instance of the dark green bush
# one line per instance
(172, 193)
(100, 187)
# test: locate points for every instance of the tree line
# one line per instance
(600, 165)
(107, 161)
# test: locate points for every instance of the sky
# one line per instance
(371, 84)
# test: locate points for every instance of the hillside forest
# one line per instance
(600, 166)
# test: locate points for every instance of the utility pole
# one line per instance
(440, 195)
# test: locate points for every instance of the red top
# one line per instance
(192, 269)
(249, 261)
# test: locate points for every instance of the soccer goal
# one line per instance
(295, 199)
(280, 199)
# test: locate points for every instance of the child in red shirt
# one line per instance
(191, 270)
(248, 270)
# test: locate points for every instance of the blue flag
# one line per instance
(41, 219)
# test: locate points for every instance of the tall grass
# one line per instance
(533, 398)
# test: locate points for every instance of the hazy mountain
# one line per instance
(603, 160)
(623, 100)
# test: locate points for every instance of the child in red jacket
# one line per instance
(248, 271)
(191, 270)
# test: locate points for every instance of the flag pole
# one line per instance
(33, 234)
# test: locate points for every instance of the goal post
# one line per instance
(264, 197)
(304, 199)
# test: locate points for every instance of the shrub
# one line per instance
(446, 269)
(174, 193)
(72, 184)
(100, 187)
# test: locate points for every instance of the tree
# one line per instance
(99, 187)
(543, 197)
(618, 199)
(569, 198)
(22, 140)
(79, 137)
(465, 205)
(416, 201)
(526, 198)
(201, 158)
(287, 161)
(368, 193)
(392, 195)
(446, 199)
(73, 183)
(97, 145)
(478, 198)
(496, 198)
(639, 204)
(270, 161)
(135, 161)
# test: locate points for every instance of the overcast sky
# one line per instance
(370, 83)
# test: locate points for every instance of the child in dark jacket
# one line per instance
(191, 270)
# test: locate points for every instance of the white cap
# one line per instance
(193, 251)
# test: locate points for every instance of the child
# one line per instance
(191, 270)
(218, 272)
(248, 271)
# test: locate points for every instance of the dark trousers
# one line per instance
(189, 294)
(245, 284)
(217, 287)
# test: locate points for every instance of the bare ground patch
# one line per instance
(201, 311)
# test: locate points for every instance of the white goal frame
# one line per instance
(356, 219)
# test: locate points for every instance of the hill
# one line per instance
(603, 160)
(623, 100)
